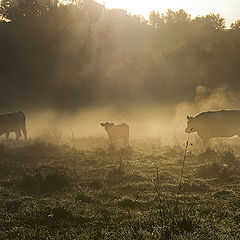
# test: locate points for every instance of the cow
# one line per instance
(117, 132)
(223, 123)
(13, 122)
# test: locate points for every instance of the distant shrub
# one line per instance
(5, 169)
(218, 170)
(195, 187)
(83, 198)
(31, 183)
(208, 155)
(115, 175)
(222, 165)
(229, 158)
(174, 151)
(127, 202)
(45, 181)
(42, 147)
(95, 184)
(134, 187)
(2, 148)
(51, 135)
(61, 213)
(55, 182)
(123, 152)
(13, 205)
(165, 176)
(54, 218)
(134, 177)
(222, 193)
(210, 170)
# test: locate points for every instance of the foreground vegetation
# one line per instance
(62, 191)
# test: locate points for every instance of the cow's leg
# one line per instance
(24, 130)
(205, 142)
(126, 142)
(18, 134)
(112, 145)
(7, 135)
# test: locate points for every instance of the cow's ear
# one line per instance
(112, 124)
(102, 124)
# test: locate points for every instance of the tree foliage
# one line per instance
(235, 25)
(212, 21)
(83, 54)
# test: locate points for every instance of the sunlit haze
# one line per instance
(230, 9)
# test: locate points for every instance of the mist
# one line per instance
(72, 67)
(143, 122)
(166, 123)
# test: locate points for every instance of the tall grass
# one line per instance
(174, 217)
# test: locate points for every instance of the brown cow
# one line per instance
(13, 122)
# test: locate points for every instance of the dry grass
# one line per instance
(78, 189)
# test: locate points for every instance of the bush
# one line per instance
(95, 184)
(128, 202)
(83, 198)
(210, 170)
(45, 181)
(208, 155)
(115, 175)
(228, 158)
(195, 187)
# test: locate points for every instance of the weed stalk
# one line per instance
(183, 165)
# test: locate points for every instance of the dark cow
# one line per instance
(116, 132)
(13, 122)
(224, 123)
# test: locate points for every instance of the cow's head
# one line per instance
(190, 125)
(107, 125)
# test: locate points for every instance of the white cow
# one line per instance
(116, 132)
(223, 123)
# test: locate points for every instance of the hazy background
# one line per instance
(230, 9)
(74, 66)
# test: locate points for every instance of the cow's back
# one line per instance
(218, 123)
(224, 116)
(12, 120)
(120, 131)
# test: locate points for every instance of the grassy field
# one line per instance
(81, 190)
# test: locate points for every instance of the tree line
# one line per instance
(82, 54)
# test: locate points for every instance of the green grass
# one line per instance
(81, 190)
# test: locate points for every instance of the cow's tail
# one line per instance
(23, 124)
